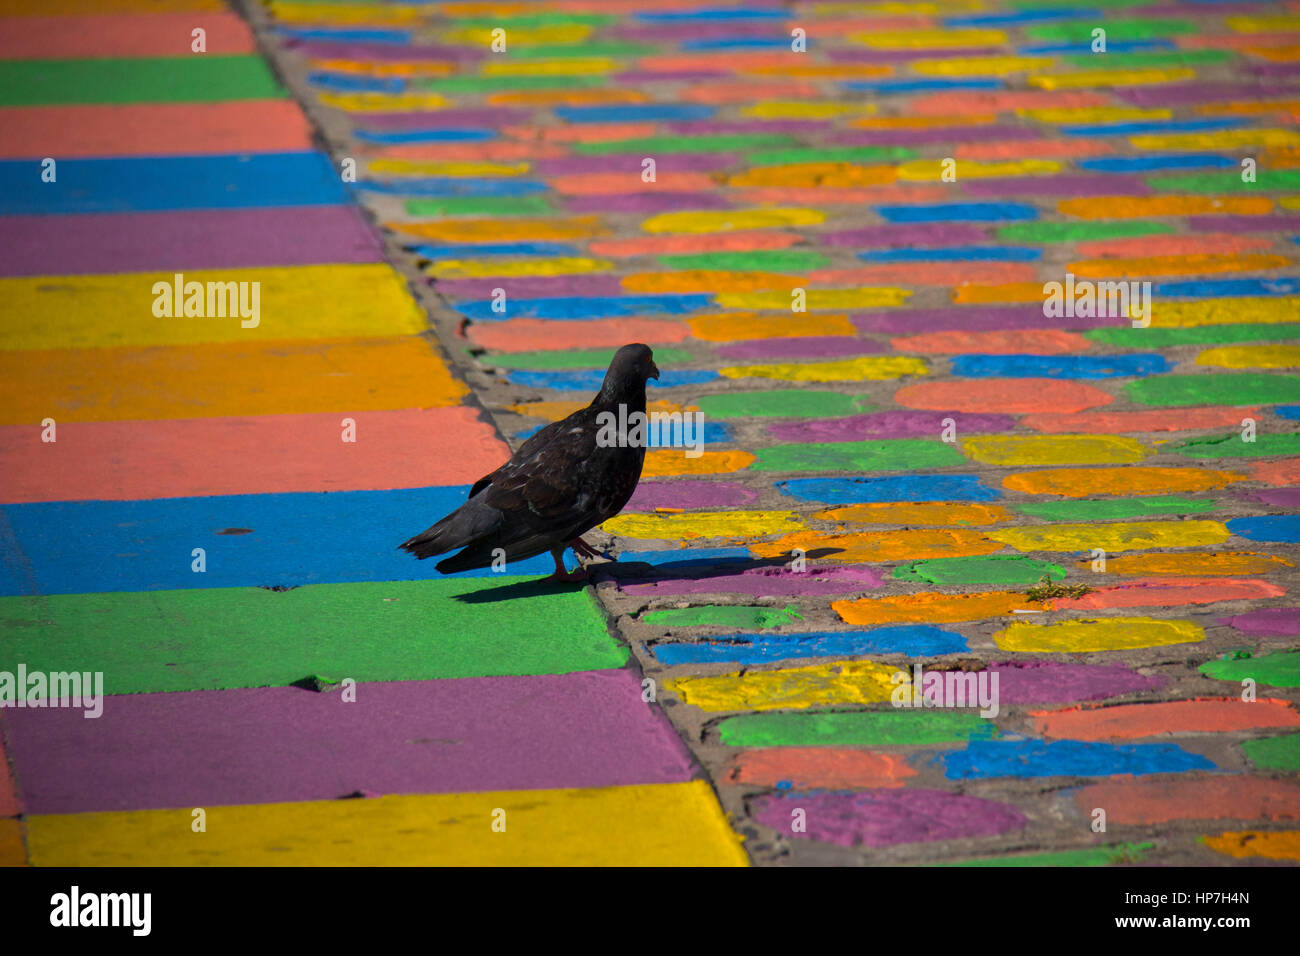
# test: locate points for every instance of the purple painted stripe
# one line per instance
(877, 818)
(780, 582)
(631, 164)
(689, 495)
(973, 318)
(922, 234)
(1161, 95)
(932, 136)
(282, 744)
(645, 202)
(1269, 621)
(692, 30)
(812, 346)
(1274, 69)
(445, 119)
(851, 55)
(1080, 185)
(188, 239)
(529, 287)
(1245, 223)
(1280, 497)
(897, 424)
(1044, 682)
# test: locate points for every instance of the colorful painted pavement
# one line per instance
(833, 222)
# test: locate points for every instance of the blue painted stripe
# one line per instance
(589, 380)
(633, 113)
(454, 186)
(1228, 288)
(1059, 366)
(714, 432)
(1112, 46)
(914, 640)
(959, 212)
(171, 182)
(1152, 126)
(847, 491)
(396, 137)
(1283, 528)
(495, 249)
(1287, 411)
(1065, 758)
(689, 557)
(920, 86)
(1021, 17)
(354, 83)
(954, 254)
(67, 547)
(348, 35)
(1154, 162)
(585, 307)
(743, 43)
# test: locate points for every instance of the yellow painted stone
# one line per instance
(1112, 536)
(1289, 202)
(557, 33)
(742, 326)
(839, 683)
(1149, 266)
(864, 298)
(807, 109)
(1192, 564)
(1104, 634)
(223, 379)
(865, 369)
(584, 96)
(809, 175)
(295, 302)
(1257, 310)
(1146, 207)
(820, 71)
(1096, 482)
(1219, 139)
(564, 66)
(371, 102)
(981, 65)
(941, 513)
(672, 824)
(1268, 844)
(932, 608)
(504, 230)
(925, 122)
(912, 544)
(487, 268)
(729, 220)
(659, 464)
(707, 281)
(936, 39)
(1251, 356)
(1089, 79)
(930, 170)
(420, 167)
(1083, 115)
(974, 293)
(387, 68)
(339, 13)
(1053, 449)
(704, 524)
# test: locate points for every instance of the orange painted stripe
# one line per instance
(122, 35)
(1154, 420)
(604, 184)
(819, 196)
(1035, 149)
(1200, 716)
(1284, 472)
(154, 129)
(687, 243)
(175, 458)
(832, 768)
(1002, 395)
(1149, 800)
(496, 151)
(1203, 244)
(994, 342)
(1170, 593)
(527, 335)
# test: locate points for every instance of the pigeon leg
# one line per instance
(560, 573)
(584, 550)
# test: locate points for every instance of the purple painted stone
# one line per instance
(1244, 223)
(650, 202)
(812, 346)
(531, 287)
(630, 164)
(1269, 621)
(1274, 69)
(930, 137)
(745, 127)
(284, 744)
(186, 239)
(486, 117)
(894, 424)
(778, 582)
(972, 318)
(1280, 497)
(690, 495)
(1080, 185)
(1045, 682)
(878, 818)
(1163, 95)
(856, 55)
(921, 234)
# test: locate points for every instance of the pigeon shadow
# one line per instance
(518, 590)
(634, 572)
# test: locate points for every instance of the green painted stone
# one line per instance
(1229, 388)
(500, 206)
(760, 260)
(830, 154)
(1081, 231)
(1232, 446)
(555, 51)
(210, 638)
(1226, 183)
(1274, 753)
(979, 569)
(871, 728)
(652, 145)
(171, 79)
(1104, 509)
(782, 403)
(1279, 669)
(1149, 338)
(724, 615)
(1088, 856)
(1117, 30)
(890, 454)
(577, 358)
(1156, 60)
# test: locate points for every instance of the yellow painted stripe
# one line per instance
(936, 39)
(931, 170)
(647, 825)
(1221, 139)
(1143, 207)
(566, 66)
(704, 524)
(939, 513)
(1095, 114)
(416, 167)
(503, 230)
(487, 268)
(338, 13)
(224, 378)
(1274, 24)
(1113, 536)
(300, 302)
(864, 298)
(868, 369)
(740, 326)
(1251, 356)
(1108, 634)
(729, 220)
(910, 544)
(1259, 310)
(806, 109)
(384, 102)
(1054, 449)
(841, 683)
(981, 65)
(1089, 79)
(559, 33)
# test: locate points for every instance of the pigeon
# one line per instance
(561, 483)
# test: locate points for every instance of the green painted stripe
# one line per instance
(871, 728)
(761, 260)
(830, 154)
(782, 403)
(252, 637)
(1081, 231)
(724, 615)
(1156, 60)
(555, 51)
(1153, 338)
(1225, 183)
(496, 206)
(1274, 753)
(1110, 508)
(987, 569)
(890, 454)
(1089, 856)
(652, 145)
(1209, 389)
(1233, 446)
(182, 79)
(577, 358)
(1279, 669)
(1080, 31)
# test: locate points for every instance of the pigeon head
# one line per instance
(627, 374)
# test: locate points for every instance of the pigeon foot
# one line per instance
(561, 575)
(584, 550)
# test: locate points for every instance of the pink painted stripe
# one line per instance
(124, 35)
(174, 458)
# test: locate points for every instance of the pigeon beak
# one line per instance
(654, 371)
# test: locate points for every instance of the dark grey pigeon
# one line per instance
(561, 483)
